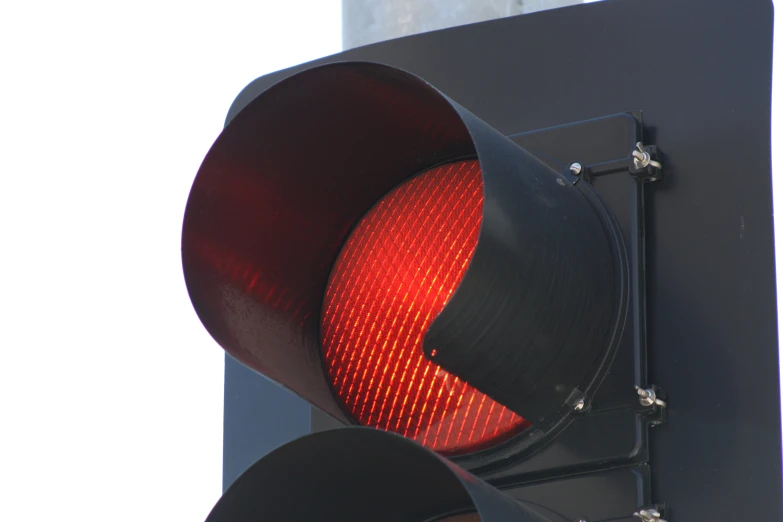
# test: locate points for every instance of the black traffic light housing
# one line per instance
(701, 236)
(534, 332)
(356, 474)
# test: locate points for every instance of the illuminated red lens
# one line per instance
(394, 275)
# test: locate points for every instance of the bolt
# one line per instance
(576, 169)
(649, 515)
(580, 405)
(642, 158)
(647, 397)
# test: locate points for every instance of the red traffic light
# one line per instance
(393, 276)
(494, 305)
(535, 318)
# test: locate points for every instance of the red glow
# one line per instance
(394, 275)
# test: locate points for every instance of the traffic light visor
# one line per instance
(359, 474)
(360, 238)
(279, 193)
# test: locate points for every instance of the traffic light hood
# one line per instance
(359, 474)
(535, 318)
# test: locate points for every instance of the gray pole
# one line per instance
(370, 21)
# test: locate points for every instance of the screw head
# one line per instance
(576, 169)
(580, 405)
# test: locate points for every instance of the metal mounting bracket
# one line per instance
(643, 162)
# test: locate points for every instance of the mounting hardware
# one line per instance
(644, 163)
(642, 158)
(648, 397)
(571, 174)
(649, 515)
(578, 401)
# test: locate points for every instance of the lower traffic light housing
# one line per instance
(360, 474)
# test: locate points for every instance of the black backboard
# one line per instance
(700, 70)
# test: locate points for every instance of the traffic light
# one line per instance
(500, 265)
(360, 474)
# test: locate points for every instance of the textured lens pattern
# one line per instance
(395, 273)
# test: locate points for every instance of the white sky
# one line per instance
(110, 388)
(777, 164)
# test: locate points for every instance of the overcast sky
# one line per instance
(111, 389)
